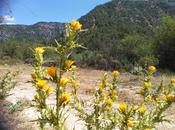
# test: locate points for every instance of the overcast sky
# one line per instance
(32, 11)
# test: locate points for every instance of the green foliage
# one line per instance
(164, 43)
(6, 83)
(18, 106)
(136, 49)
(119, 33)
(15, 50)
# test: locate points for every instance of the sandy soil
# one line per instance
(88, 78)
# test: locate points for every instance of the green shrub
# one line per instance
(164, 43)
(6, 83)
(136, 50)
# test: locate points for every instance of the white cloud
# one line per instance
(8, 18)
(7, 23)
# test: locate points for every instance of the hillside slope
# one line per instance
(42, 31)
(113, 20)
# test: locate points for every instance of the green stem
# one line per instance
(58, 94)
(97, 114)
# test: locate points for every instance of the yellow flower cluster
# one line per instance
(131, 123)
(108, 104)
(73, 68)
(142, 109)
(41, 83)
(152, 69)
(48, 90)
(147, 84)
(63, 81)
(75, 25)
(65, 97)
(39, 50)
(116, 73)
(134, 107)
(149, 98)
(69, 63)
(51, 71)
(122, 107)
(170, 97)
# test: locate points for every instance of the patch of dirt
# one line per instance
(7, 121)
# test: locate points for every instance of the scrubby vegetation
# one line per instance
(122, 35)
(6, 83)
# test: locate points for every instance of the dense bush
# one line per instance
(165, 43)
(136, 49)
(14, 50)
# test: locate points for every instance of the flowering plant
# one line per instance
(43, 77)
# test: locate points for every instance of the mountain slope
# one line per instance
(41, 31)
(113, 20)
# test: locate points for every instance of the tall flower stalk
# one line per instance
(43, 77)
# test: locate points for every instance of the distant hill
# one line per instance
(42, 31)
(115, 19)
(110, 22)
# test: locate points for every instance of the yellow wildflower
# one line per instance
(116, 73)
(135, 107)
(75, 25)
(73, 82)
(149, 98)
(130, 123)
(107, 108)
(115, 97)
(170, 97)
(33, 75)
(78, 85)
(103, 95)
(48, 90)
(152, 69)
(122, 107)
(66, 97)
(41, 83)
(173, 80)
(69, 63)
(109, 101)
(39, 50)
(160, 97)
(142, 109)
(107, 84)
(51, 71)
(73, 67)
(100, 85)
(147, 84)
(63, 81)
